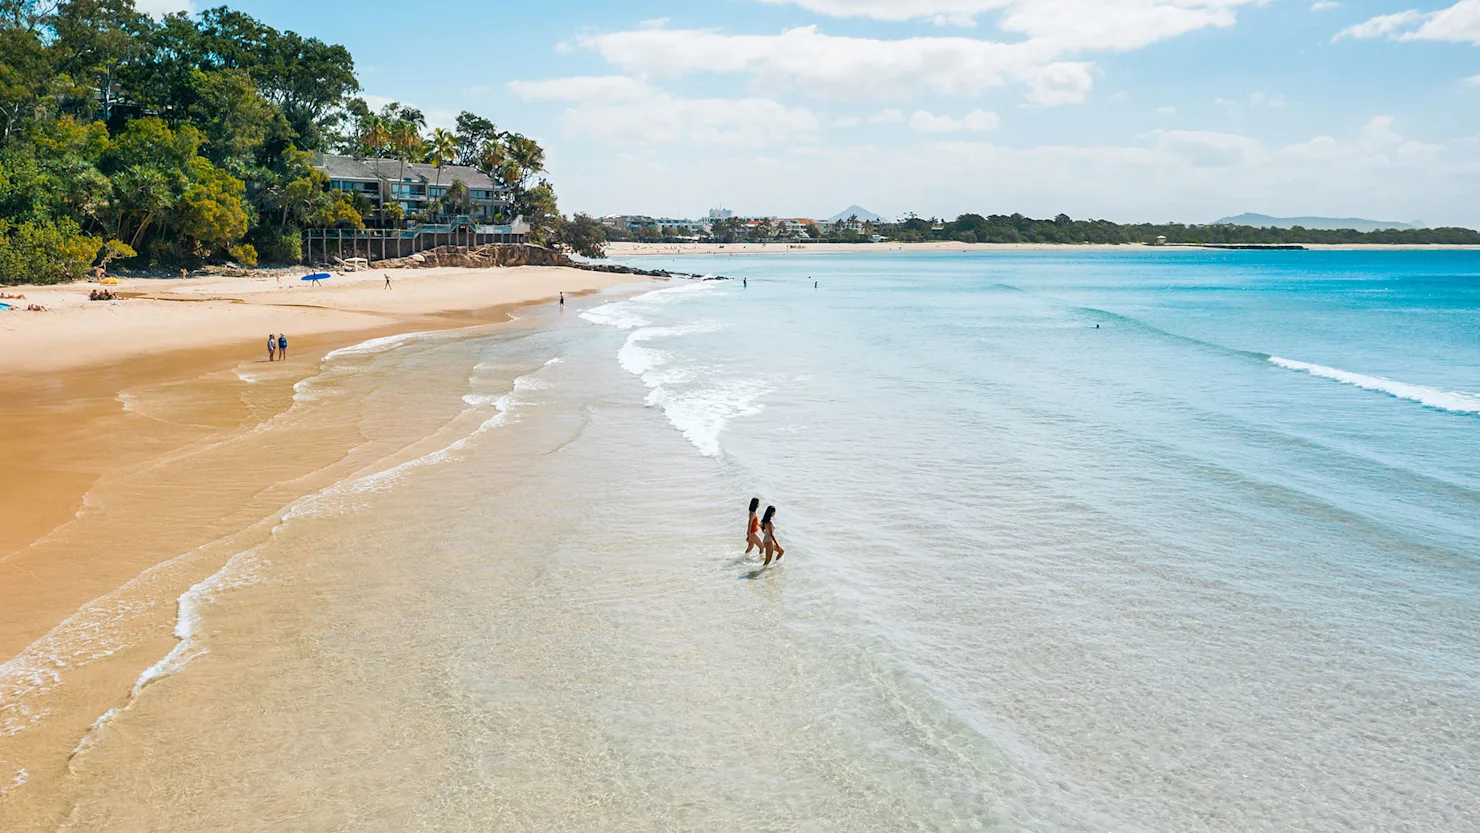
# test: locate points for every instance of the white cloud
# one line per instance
(847, 67)
(580, 88)
(661, 117)
(1204, 148)
(1108, 24)
(1473, 81)
(943, 12)
(160, 8)
(1324, 5)
(1379, 132)
(1167, 111)
(1056, 33)
(890, 116)
(1115, 25)
(1378, 26)
(1459, 23)
(977, 121)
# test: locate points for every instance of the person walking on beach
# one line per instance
(769, 544)
(387, 281)
(745, 283)
(282, 347)
(271, 347)
(753, 528)
(562, 300)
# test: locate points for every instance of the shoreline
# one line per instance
(619, 250)
(153, 316)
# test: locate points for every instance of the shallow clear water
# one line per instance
(1156, 541)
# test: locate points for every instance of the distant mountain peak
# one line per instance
(864, 215)
(1320, 223)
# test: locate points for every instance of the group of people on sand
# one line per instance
(760, 532)
(277, 347)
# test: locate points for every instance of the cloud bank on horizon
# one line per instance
(1126, 109)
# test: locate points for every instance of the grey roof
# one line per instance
(347, 167)
(344, 167)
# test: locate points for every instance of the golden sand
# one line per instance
(132, 470)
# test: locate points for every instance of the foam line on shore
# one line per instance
(700, 402)
(1444, 400)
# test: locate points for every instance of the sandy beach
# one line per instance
(156, 316)
(682, 249)
(128, 429)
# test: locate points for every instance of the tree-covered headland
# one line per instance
(1015, 228)
(190, 139)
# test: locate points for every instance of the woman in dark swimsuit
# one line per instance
(769, 544)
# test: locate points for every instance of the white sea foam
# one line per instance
(249, 377)
(340, 498)
(240, 570)
(93, 731)
(16, 782)
(1444, 400)
(632, 313)
(374, 345)
(701, 414)
(699, 401)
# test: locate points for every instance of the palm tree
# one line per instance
(527, 154)
(440, 150)
(490, 160)
(407, 141)
(375, 134)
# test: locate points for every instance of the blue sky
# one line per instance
(1123, 109)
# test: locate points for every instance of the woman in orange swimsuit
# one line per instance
(753, 527)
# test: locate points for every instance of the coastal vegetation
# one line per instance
(1016, 228)
(190, 139)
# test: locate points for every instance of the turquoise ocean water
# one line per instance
(1163, 541)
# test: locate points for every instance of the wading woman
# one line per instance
(753, 527)
(769, 544)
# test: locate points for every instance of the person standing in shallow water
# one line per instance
(271, 347)
(282, 347)
(769, 545)
(753, 527)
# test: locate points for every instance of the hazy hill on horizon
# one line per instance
(864, 215)
(1320, 223)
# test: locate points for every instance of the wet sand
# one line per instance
(133, 466)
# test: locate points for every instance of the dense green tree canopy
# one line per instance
(130, 139)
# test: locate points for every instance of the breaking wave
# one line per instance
(1444, 400)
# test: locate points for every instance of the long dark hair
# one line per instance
(755, 503)
(770, 510)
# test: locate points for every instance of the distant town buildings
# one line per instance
(722, 221)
